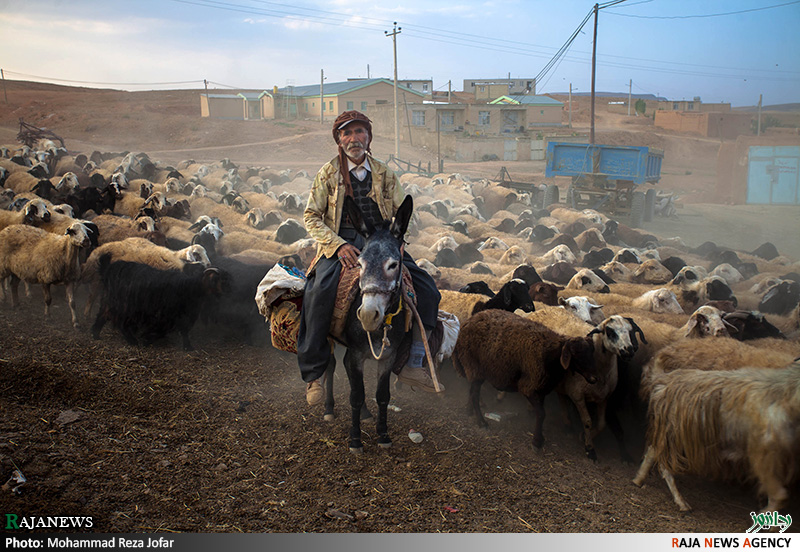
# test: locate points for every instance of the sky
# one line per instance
(720, 50)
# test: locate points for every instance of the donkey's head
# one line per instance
(381, 262)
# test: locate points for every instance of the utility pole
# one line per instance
(630, 88)
(570, 105)
(367, 71)
(321, 96)
(205, 83)
(758, 131)
(449, 86)
(594, 63)
(393, 34)
(3, 78)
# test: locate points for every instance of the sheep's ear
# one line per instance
(566, 355)
(402, 217)
(636, 329)
(594, 331)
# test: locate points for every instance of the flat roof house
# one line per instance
(304, 101)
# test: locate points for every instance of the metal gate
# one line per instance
(509, 150)
(773, 176)
(537, 150)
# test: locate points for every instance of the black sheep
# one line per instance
(149, 303)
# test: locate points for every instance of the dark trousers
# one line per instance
(313, 351)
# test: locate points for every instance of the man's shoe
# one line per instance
(418, 377)
(315, 392)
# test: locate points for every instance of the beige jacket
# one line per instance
(323, 214)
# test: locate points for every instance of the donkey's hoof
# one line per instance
(328, 417)
(385, 442)
(357, 450)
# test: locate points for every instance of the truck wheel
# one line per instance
(649, 205)
(550, 196)
(571, 197)
(637, 209)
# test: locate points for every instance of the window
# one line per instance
(483, 118)
(541, 112)
(381, 102)
(418, 118)
(483, 89)
(690, 106)
(306, 108)
(323, 106)
(349, 106)
(330, 106)
(425, 87)
(448, 118)
(676, 106)
(363, 106)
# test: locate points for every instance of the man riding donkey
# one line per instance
(374, 187)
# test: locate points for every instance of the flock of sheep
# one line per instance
(548, 298)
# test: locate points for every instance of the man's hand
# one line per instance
(348, 255)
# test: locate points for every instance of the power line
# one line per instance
(103, 83)
(442, 36)
(705, 15)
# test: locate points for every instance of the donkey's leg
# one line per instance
(382, 396)
(355, 375)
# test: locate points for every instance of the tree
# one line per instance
(640, 106)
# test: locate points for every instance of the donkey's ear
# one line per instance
(400, 222)
(352, 210)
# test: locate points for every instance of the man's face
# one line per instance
(354, 140)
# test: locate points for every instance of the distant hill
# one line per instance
(776, 107)
(613, 95)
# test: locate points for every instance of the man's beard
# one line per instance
(355, 149)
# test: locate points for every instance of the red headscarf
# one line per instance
(342, 121)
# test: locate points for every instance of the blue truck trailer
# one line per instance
(605, 177)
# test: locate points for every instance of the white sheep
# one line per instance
(560, 253)
(725, 425)
(584, 308)
(39, 257)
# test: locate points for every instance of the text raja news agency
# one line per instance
(732, 542)
(26, 543)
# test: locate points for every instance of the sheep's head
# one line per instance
(587, 280)
(145, 224)
(514, 255)
(68, 181)
(36, 211)
(545, 292)
(617, 271)
(688, 277)
(78, 234)
(584, 308)
(627, 255)
(652, 271)
(727, 273)
(255, 218)
(559, 253)
(195, 253)
(708, 321)
(430, 268)
(662, 300)
(514, 295)
(618, 336)
(577, 355)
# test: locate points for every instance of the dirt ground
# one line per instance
(155, 439)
